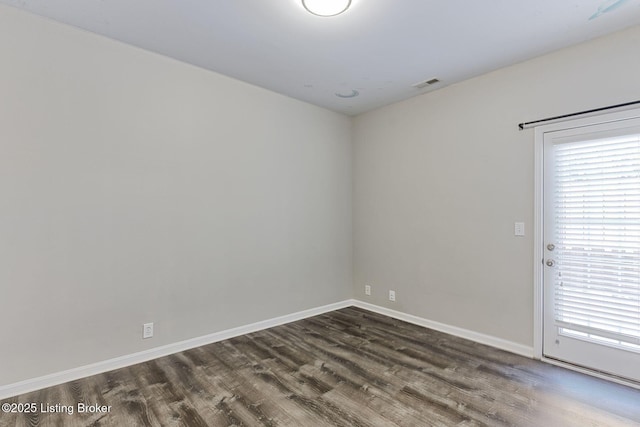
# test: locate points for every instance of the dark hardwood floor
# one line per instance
(350, 367)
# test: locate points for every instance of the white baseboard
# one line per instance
(50, 380)
(38, 383)
(492, 341)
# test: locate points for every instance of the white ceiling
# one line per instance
(379, 48)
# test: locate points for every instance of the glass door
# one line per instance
(591, 222)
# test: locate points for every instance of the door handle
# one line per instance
(550, 262)
(551, 247)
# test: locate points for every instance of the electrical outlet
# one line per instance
(392, 295)
(147, 330)
(367, 289)
(518, 229)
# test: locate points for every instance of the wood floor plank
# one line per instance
(346, 368)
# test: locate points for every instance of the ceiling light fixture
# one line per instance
(326, 7)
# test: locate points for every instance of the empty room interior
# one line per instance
(301, 213)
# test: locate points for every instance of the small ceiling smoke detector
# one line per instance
(326, 7)
(351, 94)
(426, 83)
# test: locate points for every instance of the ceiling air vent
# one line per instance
(426, 83)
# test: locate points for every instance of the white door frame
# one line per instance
(538, 230)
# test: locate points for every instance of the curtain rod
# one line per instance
(521, 126)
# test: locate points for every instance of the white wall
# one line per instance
(440, 179)
(134, 188)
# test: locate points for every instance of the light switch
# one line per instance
(519, 229)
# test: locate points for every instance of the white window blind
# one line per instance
(597, 205)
